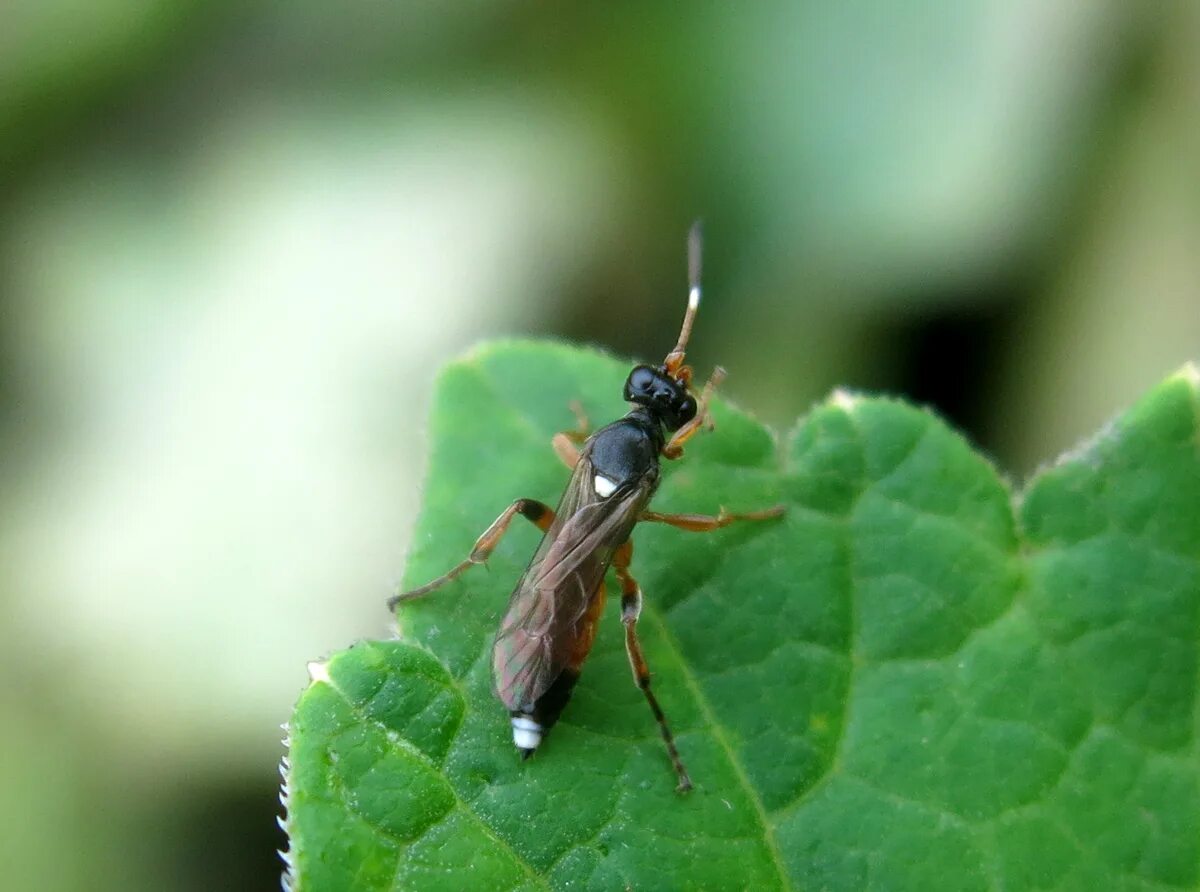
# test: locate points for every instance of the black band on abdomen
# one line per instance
(548, 707)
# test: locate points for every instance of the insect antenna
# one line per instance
(695, 243)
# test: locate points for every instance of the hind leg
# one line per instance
(631, 608)
(537, 513)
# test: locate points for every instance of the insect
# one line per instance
(553, 612)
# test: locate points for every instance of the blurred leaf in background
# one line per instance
(235, 239)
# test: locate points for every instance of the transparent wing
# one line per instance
(547, 611)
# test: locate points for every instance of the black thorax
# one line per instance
(628, 449)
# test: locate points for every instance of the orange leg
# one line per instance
(537, 513)
(703, 523)
(565, 449)
(582, 426)
(631, 608)
(674, 447)
(566, 444)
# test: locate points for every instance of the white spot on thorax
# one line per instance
(604, 486)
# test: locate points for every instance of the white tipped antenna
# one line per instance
(695, 244)
(695, 252)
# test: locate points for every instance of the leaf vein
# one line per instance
(718, 733)
(401, 743)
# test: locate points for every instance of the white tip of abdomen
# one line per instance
(527, 733)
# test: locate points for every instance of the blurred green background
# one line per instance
(237, 239)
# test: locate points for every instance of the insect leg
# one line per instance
(631, 608)
(566, 444)
(674, 446)
(703, 523)
(582, 426)
(537, 513)
(565, 449)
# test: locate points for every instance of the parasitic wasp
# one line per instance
(551, 621)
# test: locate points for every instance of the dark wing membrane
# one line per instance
(546, 612)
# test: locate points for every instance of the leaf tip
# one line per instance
(318, 671)
(1189, 374)
(845, 400)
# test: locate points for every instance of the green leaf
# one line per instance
(913, 681)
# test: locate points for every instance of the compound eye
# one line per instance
(687, 410)
(641, 383)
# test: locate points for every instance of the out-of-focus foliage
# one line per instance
(236, 239)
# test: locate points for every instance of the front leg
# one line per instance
(566, 443)
(674, 447)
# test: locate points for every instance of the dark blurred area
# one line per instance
(236, 240)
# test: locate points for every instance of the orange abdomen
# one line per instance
(586, 635)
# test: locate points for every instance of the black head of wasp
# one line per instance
(552, 615)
